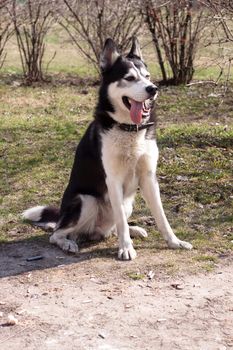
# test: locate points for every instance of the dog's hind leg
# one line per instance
(79, 217)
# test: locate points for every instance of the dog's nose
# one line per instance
(151, 89)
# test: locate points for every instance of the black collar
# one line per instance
(135, 127)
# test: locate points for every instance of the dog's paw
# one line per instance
(137, 232)
(70, 246)
(127, 253)
(66, 245)
(178, 244)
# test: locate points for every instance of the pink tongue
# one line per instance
(136, 111)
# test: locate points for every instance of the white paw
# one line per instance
(178, 244)
(69, 246)
(127, 253)
(52, 239)
(66, 245)
(136, 231)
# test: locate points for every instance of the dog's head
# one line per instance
(127, 83)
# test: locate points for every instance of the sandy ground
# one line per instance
(65, 302)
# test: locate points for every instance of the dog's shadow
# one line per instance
(37, 253)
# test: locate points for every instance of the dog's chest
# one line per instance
(121, 151)
(124, 148)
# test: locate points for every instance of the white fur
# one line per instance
(145, 72)
(120, 154)
(33, 214)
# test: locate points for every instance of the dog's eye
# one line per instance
(130, 78)
(148, 76)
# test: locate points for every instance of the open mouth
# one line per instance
(138, 110)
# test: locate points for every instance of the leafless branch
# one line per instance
(89, 23)
(6, 30)
(176, 28)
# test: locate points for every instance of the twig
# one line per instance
(202, 82)
(48, 64)
(12, 336)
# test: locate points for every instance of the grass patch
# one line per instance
(135, 276)
(206, 258)
(40, 127)
(198, 136)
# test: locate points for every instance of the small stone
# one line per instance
(150, 275)
(11, 320)
(177, 286)
(182, 178)
(15, 83)
(20, 312)
(196, 285)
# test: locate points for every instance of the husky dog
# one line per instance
(116, 156)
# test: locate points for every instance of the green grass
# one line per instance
(41, 126)
(135, 276)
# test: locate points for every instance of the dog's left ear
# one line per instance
(135, 49)
(109, 55)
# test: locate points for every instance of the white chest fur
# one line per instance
(122, 154)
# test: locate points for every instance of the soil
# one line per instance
(90, 302)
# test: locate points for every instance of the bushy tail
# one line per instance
(43, 216)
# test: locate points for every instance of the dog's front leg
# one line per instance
(151, 193)
(115, 191)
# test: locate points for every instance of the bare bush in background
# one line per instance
(89, 23)
(176, 28)
(223, 16)
(31, 20)
(6, 30)
(221, 34)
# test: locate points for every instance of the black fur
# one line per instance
(87, 175)
(50, 214)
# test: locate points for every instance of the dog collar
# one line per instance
(135, 127)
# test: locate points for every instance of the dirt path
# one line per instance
(65, 302)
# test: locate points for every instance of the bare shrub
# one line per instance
(221, 36)
(6, 30)
(31, 20)
(176, 28)
(89, 23)
(223, 16)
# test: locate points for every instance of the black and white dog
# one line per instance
(117, 154)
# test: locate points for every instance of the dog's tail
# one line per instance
(42, 216)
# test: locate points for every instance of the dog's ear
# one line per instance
(135, 49)
(109, 55)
